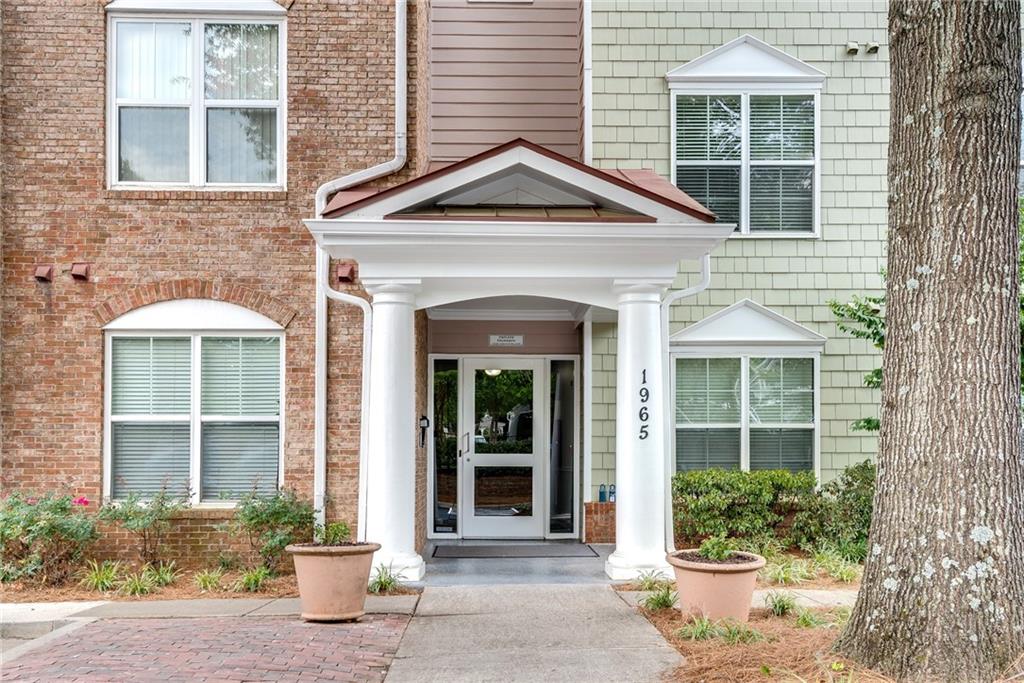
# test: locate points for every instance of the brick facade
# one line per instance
(249, 248)
(598, 522)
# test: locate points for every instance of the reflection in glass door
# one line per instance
(446, 445)
(500, 449)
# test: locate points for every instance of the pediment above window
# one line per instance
(745, 60)
(746, 323)
(232, 7)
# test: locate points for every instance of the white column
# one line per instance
(640, 491)
(391, 450)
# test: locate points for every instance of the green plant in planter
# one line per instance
(716, 548)
(661, 598)
(43, 538)
(271, 522)
(101, 576)
(335, 533)
(148, 520)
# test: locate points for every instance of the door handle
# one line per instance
(465, 447)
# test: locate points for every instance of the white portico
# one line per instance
(518, 220)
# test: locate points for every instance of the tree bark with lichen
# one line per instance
(943, 591)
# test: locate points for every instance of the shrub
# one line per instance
(715, 548)
(163, 574)
(661, 598)
(700, 628)
(148, 520)
(780, 604)
(767, 546)
(840, 513)
(384, 580)
(228, 561)
(252, 580)
(209, 579)
(829, 560)
(43, 538)
(270, 523)
(100, 577)
(735, 503)
(136, 584)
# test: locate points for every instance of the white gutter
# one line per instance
(325, 291)
(669, 412)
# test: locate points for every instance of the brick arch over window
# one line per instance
(152, 293)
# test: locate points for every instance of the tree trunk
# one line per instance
(943, 590)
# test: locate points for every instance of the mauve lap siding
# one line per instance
(500, 72)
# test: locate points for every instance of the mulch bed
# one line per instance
(788, 653)
(184, 588)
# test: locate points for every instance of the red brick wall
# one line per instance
(56, 209)
(599, 522)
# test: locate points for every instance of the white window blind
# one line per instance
(225, 129)
(708, 405)
(224, 444)
(150, 378)
(241, 393)
(761, 407)
(750, 158)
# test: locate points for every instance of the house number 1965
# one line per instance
(645, 396)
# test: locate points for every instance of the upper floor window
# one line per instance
(196, 102)
(745, 137)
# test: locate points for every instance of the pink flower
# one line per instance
(81, 500)
(31, 501)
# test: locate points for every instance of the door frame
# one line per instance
(545, 455)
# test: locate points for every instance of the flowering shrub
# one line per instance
(270, 523)
(43, 538)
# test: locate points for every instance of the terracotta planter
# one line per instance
(717, 591)
(332, 579)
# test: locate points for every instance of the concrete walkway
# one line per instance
(529, 633)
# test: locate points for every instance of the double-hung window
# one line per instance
(194, 413)
(196, 102)
(746, 412)
(750, 157)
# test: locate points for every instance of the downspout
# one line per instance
(666, 303)
(324, 291)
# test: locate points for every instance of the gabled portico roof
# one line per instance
(518, 220)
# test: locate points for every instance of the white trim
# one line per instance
(747, 324)
(192, 314)
(195, 416)
(263, 7)
(197, 104)
(588, 405)
(588, 83)
(552, 315)
(746, 59)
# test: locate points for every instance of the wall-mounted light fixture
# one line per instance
(44, 272)
(345, 272)
(852, 47)
(872, 48)
(80, 271)
(424, 426)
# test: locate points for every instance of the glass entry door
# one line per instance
(501, 448)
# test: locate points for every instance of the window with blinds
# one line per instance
(708, 405)
(750, 158)
(196, 102)
(745, 412)
(228, 439)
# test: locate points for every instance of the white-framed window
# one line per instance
(196, 101)
(750, 411)
(746, 137)
(750, 156)
(193, 411)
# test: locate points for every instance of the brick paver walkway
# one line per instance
(216, 649)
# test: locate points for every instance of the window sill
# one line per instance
(203, 511)
(188, 193)
(776, 236)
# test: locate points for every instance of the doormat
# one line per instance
(514, 550)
